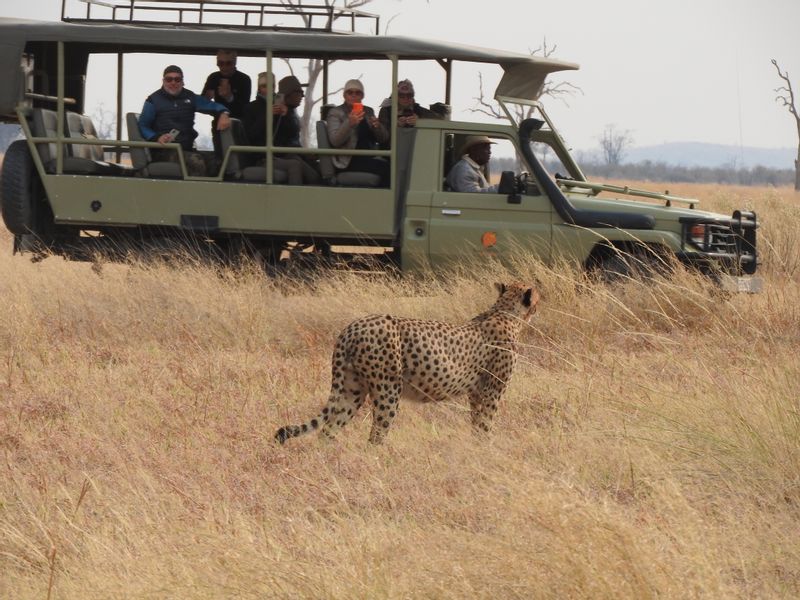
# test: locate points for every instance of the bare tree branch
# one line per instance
(485, 107)
(314, 66)
(786, 98)
(557, 90)
(785, 92)
(613, 144)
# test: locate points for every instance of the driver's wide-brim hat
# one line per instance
(475, 140)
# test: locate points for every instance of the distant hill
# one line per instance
(698, 154)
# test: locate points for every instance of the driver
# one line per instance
(467, 174)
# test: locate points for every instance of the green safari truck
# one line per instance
(67, 192)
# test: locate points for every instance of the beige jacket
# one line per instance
(341, 135)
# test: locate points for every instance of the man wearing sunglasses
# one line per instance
(168, 116)
(229, 87)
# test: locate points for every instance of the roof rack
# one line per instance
(285, 15)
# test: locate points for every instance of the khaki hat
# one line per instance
(289, 85)
(354, 84)
(474, 140)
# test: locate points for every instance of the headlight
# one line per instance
(698, 235)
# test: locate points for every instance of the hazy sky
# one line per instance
(669, 71)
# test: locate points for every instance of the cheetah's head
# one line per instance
(518, 299)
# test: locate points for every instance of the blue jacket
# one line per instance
(162, 113)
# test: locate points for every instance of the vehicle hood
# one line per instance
(626, 205)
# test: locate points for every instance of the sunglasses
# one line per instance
(354, 92)
(173, 79)
(404, 95)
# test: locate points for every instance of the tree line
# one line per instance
(661, 171)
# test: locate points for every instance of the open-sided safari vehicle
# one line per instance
(61, 194)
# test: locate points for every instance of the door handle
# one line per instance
(451, 211)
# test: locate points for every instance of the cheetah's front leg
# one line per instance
(483, 406)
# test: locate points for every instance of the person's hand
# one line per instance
(164, 138)
(374, 122)
(401, 121)
(411, 120)
(279, 109)
(224, 90)
(355, 118)
(223, 122)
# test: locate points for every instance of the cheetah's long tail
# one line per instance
(290, 431)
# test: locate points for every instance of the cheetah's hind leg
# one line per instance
(345, 399)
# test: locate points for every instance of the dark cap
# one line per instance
(289, 84)
(173, 69)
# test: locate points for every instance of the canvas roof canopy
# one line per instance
(528, 72)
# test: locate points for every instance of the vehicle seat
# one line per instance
(76, 159)
(240, 164)
(449, 158)
(343, 178)
(92, 160)
(140, 157)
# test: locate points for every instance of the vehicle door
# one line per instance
(465, 225)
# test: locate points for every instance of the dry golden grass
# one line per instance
(649, 445)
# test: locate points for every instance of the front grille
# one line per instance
(731, 242)
(720, 239)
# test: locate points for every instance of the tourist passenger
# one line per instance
(408, 110)
(285, 126)
(254, 119)
(229, 87)
(355, 126)
(172, 107)
(467, 174)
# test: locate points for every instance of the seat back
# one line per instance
(45, 124)
(81, 127)
(140, 157)
(344, 178)
(326, 167)
(89, 132)
(235, 136)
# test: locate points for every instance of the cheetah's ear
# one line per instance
(501, 287)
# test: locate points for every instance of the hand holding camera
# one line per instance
(356, 114)
(166, 138)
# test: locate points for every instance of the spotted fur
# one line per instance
(384, 357)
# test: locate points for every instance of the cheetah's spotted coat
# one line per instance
(386, 357)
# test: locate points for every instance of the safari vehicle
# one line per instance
(60, 195)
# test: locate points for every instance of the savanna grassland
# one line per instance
(648, 446)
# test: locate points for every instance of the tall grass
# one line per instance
(649, 445)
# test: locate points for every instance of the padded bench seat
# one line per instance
(79, 159)
(240, 164)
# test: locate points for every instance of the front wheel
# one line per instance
(616, 265)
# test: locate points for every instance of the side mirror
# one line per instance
(508, 187)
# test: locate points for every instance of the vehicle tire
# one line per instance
(613, 268)
(641, 265)
(21, 190)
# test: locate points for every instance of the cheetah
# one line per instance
(385, 357)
